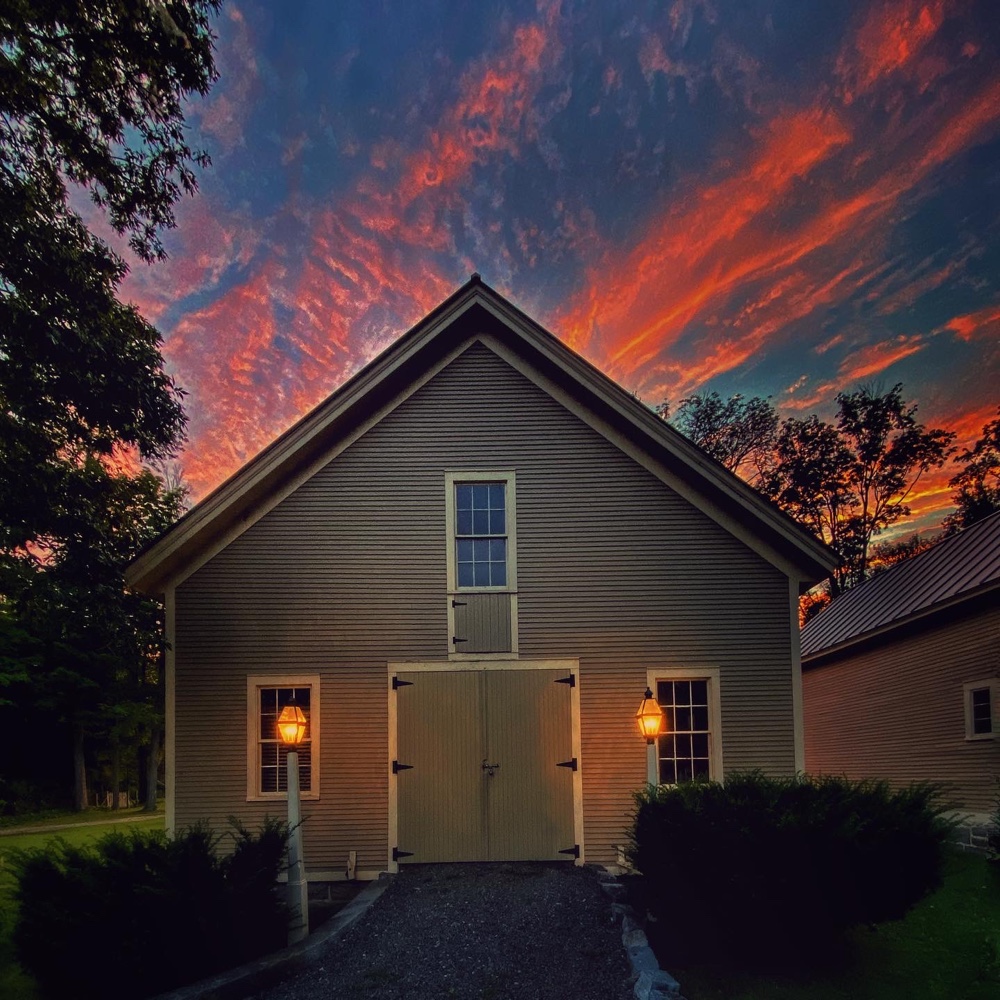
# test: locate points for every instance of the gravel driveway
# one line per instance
(484, 931)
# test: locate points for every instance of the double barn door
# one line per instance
(484, 765)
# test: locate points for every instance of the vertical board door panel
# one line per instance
(529, 730)
(441, 799)
(482, 621)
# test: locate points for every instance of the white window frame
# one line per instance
(254, 684)
(713, 677)
(992, 684)
(507, 477)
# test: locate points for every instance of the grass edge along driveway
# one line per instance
(947, 948)
(15, 984)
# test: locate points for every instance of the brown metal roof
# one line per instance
(956, 568)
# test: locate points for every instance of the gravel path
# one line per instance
(489, 932)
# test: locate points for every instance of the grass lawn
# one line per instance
(947, 948)
(14, 984)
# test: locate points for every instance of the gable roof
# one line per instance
(955, 570)
(475, 312)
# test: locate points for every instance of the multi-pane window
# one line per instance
(481, 534)
(684, 752)
(267, 763)
(980, 713)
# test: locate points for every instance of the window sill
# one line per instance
(979, 737)
(283, 797)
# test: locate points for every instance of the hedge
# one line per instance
(140, 913)
(752, 868)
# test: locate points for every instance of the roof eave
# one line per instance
(821, 656)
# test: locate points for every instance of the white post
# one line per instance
(298, 889)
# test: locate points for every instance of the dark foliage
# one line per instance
(760, 869)
(172, 910)
(977, 486)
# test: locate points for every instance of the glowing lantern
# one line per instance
(292, 725)
(650, 717)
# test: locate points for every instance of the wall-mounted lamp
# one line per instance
(650, 717)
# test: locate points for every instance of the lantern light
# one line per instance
(292, 725)
(650, 717)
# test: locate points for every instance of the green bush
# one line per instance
(161, 911)
(759, 869)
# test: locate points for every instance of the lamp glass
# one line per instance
(650, 717)
(292, 725)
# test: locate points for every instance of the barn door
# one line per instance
(484, 768)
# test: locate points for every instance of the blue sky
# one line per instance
(753, 196)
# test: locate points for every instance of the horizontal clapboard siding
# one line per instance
(348, 573)
(895, 710)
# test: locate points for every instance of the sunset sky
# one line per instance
(768, 197)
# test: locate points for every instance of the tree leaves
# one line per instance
(977, 486)
(845, 482)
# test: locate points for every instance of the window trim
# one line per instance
(254, 683)
(713, 676)
(507, 477)
(992, 684)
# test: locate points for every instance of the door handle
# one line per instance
(490, 769)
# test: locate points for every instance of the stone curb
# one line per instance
(651, 982)
(265, 972)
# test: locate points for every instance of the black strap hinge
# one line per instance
(574, 850)
(397, 683)
(571, 764)
(455, 640)
(459, 604)
(571, 680)
(397, 767)
(397, 854)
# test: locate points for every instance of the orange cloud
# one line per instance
(697, 250)
(891, 38)
(752, 238)
(224, 114)
(983, 323)
(488, 117)
(874, 358)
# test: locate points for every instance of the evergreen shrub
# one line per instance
(761, 869)
(140, 913)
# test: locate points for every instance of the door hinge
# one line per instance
(397, 854)
(571, 764)
(397, 683)
(455, 640)
(574, 850)
(571, 680)
(397, 767)
(459, 604)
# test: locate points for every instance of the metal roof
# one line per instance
(956, 568)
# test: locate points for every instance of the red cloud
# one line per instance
(874, 358)
(983, 323)
(891, 38)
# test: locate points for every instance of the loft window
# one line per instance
(481, 534)
(481, 540)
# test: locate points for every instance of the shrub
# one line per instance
(165, 911)
(760, 868)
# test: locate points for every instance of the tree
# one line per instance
(90, 103)
(885, 555)
(739, 433)
(977, 486)
(95, 647)
(850, 481)
(845, 481)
